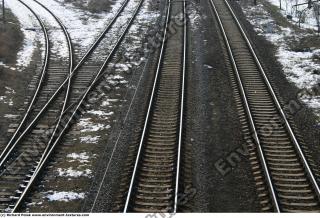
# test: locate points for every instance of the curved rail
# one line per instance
(6, 152)
(10, 147)
(69, 44)
(274, 195)
(69, 78)
(43, 73)
(151, 105)
(45, 158)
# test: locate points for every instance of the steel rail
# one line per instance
(185, 21)
(149, 108)
(43, 73)
(151, 101)
(68, 39)
(274, 198)
(9, 148)
(69, 81)
(81, 100)
(284, 117)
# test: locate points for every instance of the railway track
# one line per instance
(38, 111)
(154, 184)
(285, 181)
(54, 71)
(29, 150)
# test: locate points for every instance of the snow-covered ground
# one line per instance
(27, 23)
(64, 196)
(58, 43)
(7, 98)
(80, 157)
(299, 67)
(82, 26)
(194, 16)
(288, 8)
(93, 124)
(70, 172)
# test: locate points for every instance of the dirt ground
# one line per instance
(13, 83)
(305, 120)
(93, 6)
(10, 39)
(212, 130)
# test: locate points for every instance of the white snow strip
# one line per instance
(108, 102)
(34, 203)
(88, 126)
(70, 172)
(89, 139)
(64, 196)
(10, 116)
(92, 127)
(81, 157)
(100, 113)
(115, 80)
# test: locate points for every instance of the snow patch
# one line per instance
(57, 38)
(70, 172)
(30, 29)
(108, 102)
(90, 139)
(298, 66)
(194, 18)
(64, 196)
(7, 99)
(99, 113)
(82, 26)
(88, 126)
(11, 116)
(208, 66)
(288, 8)
(81, 157)
(116, 80)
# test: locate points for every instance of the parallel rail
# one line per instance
(74, 108)
(154, 184)
(291, 185)
(26, 171)
(42, 76)
(13, 141)
(49, 73)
